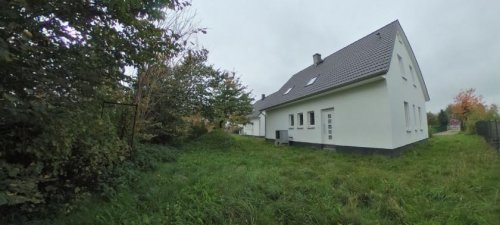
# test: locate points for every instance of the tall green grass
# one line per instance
(223, 179)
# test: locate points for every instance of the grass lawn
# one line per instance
(449, 180)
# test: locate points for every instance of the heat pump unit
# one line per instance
(281, 137)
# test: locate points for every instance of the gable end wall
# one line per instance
(401, 90)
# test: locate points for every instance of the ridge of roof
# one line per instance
(367, 57)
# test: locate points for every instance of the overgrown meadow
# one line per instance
(222, 179)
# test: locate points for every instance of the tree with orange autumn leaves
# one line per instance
(470, 108)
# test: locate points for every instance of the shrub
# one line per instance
(197, 130)
(216, 140)
(57, 161)
(145, 157)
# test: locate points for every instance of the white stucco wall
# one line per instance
(409, 90)
(361, 117)
(247, 129)
(369, 115)
(255, 127)
(262, 124)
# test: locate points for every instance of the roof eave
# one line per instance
(344, 85)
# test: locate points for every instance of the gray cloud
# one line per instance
(266, 42)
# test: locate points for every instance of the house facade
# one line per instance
(369, 95)
(257, 122)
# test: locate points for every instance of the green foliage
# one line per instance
(217, 140)
(68, 156)
(145, 158)
(188, 95)
(230, 102)
(449, 180)
(197, 130)
(58, 61)
(443, 119)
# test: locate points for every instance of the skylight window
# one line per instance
(288, 90)
(311, 81)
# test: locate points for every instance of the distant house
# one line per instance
(256, 125)
(369, 95)
(454, 124)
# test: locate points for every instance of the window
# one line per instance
(300, 118)
(412, 75)
(420, 117)
(310, 116)
(407, 115)
(401, 67)
(414, 117)
(311, 81)
(291, 120)
(288, 90)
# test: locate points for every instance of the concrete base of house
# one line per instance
(354, 149)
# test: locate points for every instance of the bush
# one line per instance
(55, 162)
(216, 140)
(145, 157)
(197, 130)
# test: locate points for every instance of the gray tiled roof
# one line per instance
(368, 57)
(257, 106)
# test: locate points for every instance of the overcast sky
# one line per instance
(457, 43)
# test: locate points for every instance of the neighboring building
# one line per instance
(369, 95)
(256, 125)
(454, 124)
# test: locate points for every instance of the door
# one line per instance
(327, 124)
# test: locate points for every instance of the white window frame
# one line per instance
(291, 120)
(407, 115)
(311, 125)
(300, 120)
(402, 67)
(413, 78)
(414, 117)
(420, 118)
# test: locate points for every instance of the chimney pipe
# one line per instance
(263, 96)
(317, 59)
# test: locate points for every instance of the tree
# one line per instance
(443, 120)
(432, 119)
(492, 112)
(465, 103)
(231, 102)
(58, 61)
(179, 91)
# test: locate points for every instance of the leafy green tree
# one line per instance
(231, 102)
(443, 119)
(174, 93)
(58, 61)
(432, 119)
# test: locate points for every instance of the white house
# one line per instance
(369, 95)
(256, 126)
